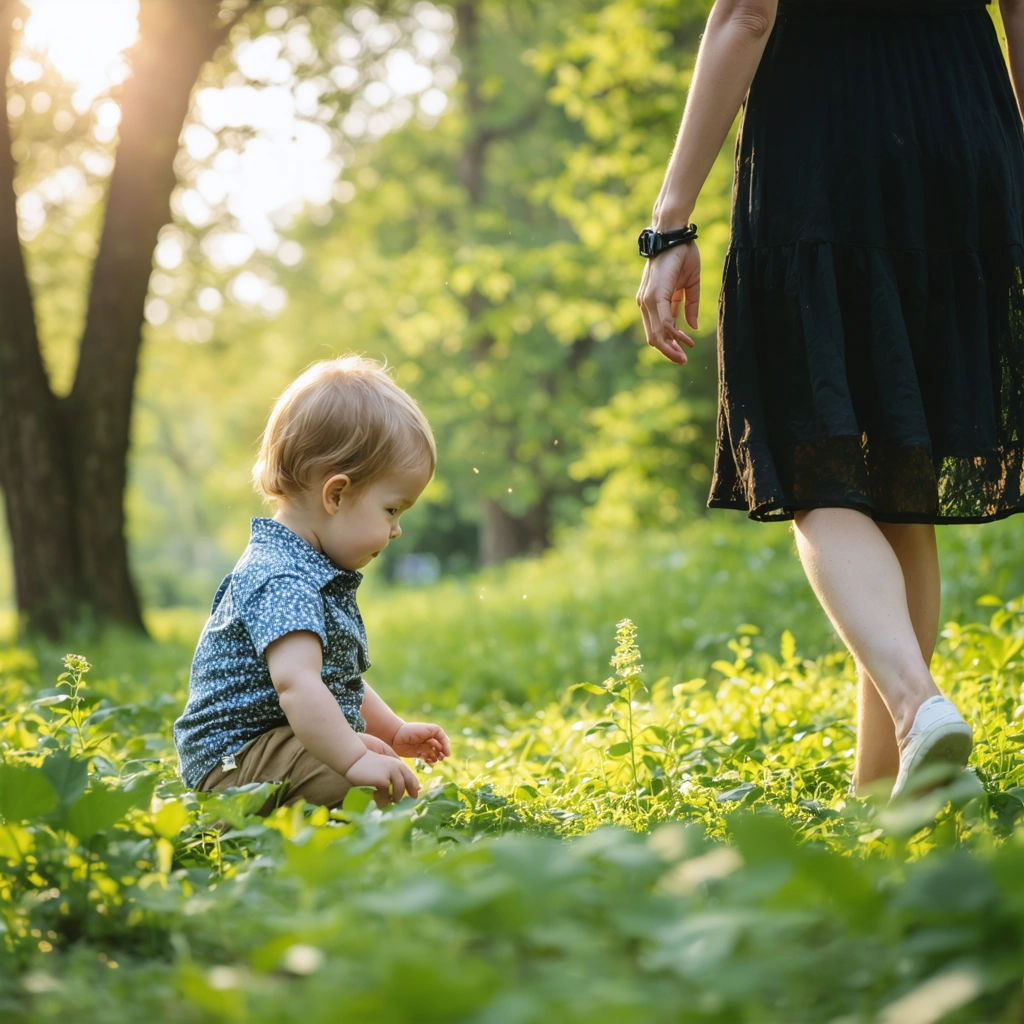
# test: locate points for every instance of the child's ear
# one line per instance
(333, 491)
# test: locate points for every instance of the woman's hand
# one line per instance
(670, 279)
(423, 740)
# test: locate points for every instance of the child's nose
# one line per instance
(396, 531)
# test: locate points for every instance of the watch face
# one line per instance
(646, 241)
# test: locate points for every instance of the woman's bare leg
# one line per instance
(878, 755)
(859, 581)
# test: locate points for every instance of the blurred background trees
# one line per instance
(455, 189)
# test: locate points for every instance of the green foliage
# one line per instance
(651, 451)
(651, 847)
(490, 259)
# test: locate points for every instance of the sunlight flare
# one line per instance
(85, 42)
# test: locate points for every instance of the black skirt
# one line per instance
(871, 318)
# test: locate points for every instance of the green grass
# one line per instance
(666, 843)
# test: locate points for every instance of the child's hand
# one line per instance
(378, 746)
(423, 740)
(391, 778)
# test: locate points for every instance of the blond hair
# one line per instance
(344, 415)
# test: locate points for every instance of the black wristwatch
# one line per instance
(652, 242)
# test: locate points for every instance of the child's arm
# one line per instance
(380, 720)
(295, 661)
(410, 739)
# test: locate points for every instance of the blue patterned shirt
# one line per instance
(280, 584)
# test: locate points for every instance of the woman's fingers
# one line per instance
(655, 332)
(692, 289)
(671, 281)
(663, 307)
(667, 282)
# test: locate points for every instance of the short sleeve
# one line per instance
(283, 604)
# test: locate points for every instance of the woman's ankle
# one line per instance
(909, 703)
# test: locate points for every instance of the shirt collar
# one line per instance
(317, 564)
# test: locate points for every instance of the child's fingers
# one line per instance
(412, 784)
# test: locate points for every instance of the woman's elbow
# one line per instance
(755, 17)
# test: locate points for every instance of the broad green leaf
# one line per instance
(436, 813)
(235, 803)
(16, 842)
(26, 793)
(589, 688)
(102, 806)
(45, 702)
(618, 749)
(357, 799)
(740, 792)
(67, 775)
(170, 819)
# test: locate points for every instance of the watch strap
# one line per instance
(652, 242)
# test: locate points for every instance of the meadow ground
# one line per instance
(667, 838)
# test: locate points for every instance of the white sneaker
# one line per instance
(939, 735)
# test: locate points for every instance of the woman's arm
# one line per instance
(1013, 22)
(730, 50)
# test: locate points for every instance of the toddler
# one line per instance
(276, 692)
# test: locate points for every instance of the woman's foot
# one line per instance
(939, 735)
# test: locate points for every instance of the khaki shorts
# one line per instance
(278, 756)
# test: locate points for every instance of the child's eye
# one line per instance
(391, 511)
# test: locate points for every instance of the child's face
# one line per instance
(359, 525)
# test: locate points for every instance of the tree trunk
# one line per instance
(63, 463)
(34, 462)
(175, 40)
(504, 536)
